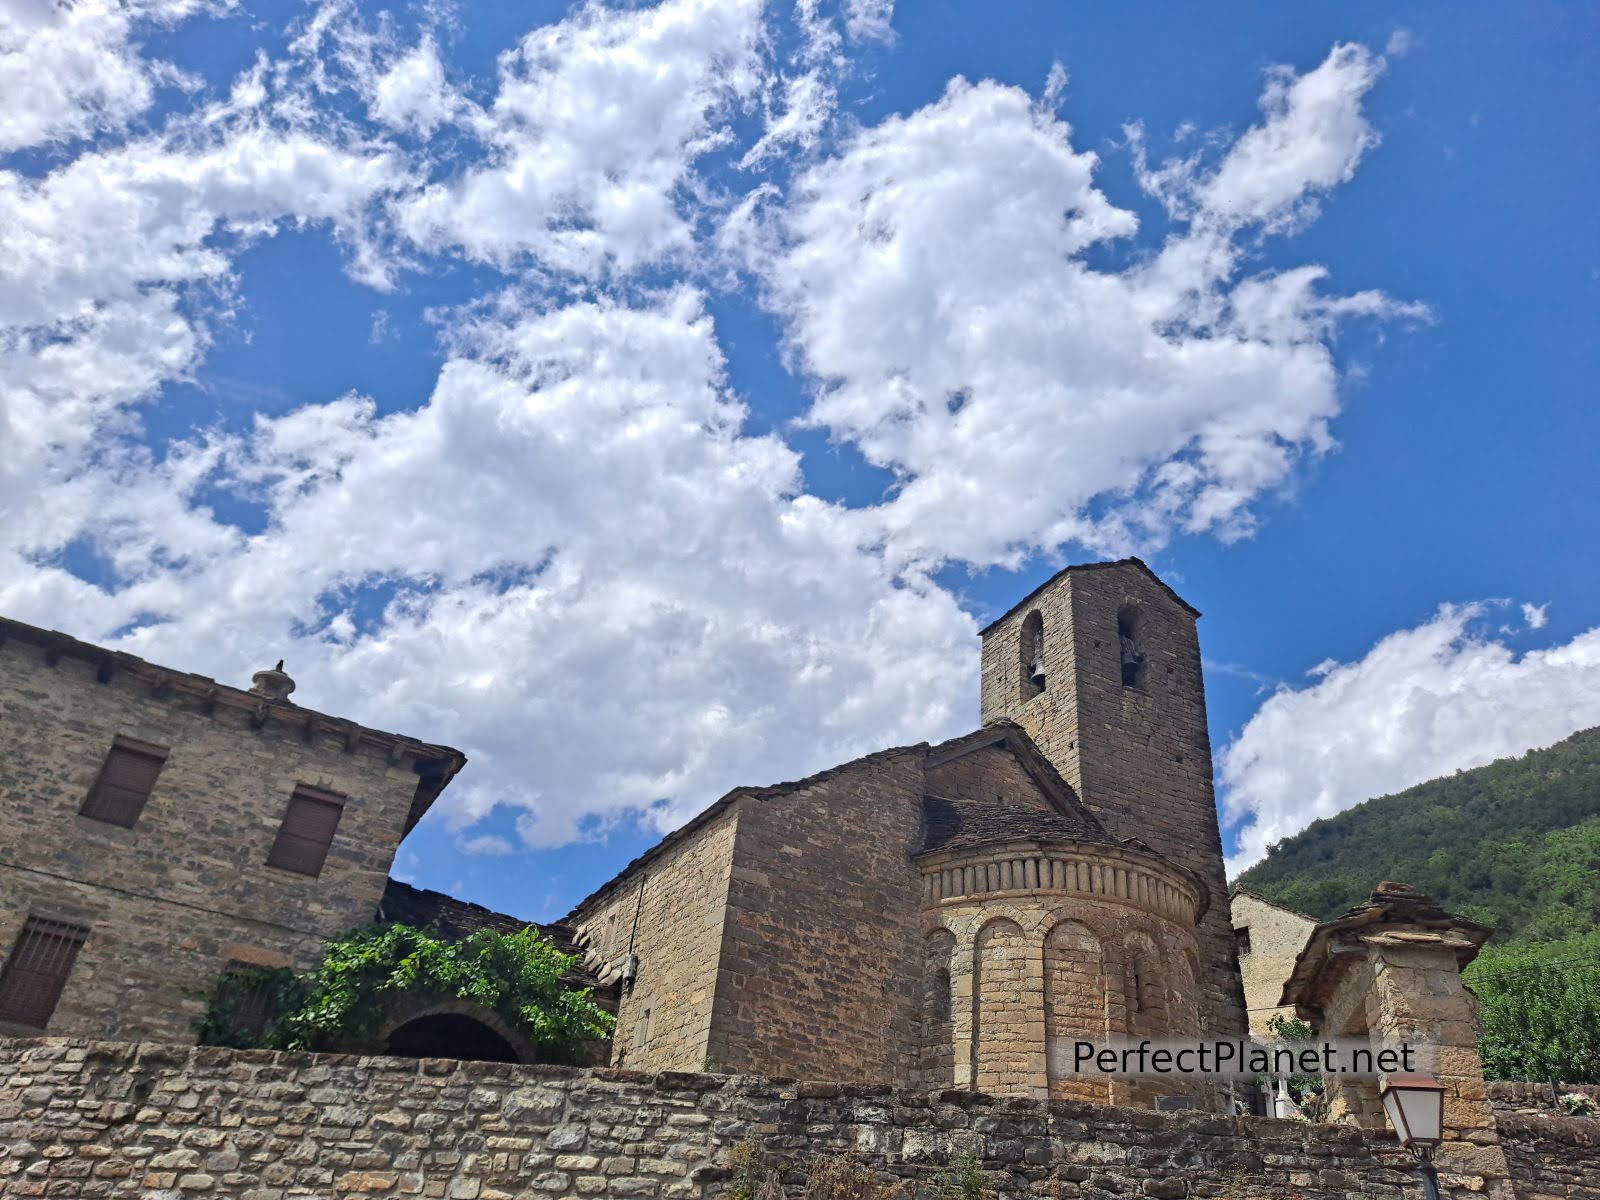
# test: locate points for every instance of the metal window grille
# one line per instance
(307, 831)
(125, 782)
(37, 970)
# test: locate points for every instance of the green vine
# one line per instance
(341, 1004)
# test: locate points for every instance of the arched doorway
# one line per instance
(451, 1029)
(449, 1035)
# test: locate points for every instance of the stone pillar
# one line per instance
(1390, 971)
(965, 1068)
(1033, 1023)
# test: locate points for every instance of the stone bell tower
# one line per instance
(1101, 665)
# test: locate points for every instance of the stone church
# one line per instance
(949, 915)
(938, 915)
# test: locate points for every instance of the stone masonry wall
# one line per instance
(1551, 1158)
(92, 1120)
(664, 1019)
(1140, 757)
(1276, 937)
(822, 959)
(171, 900)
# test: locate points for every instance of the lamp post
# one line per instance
(1415, 1105)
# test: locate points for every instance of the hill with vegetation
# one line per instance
(1514, 844)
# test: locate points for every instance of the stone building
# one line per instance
(159, 826)
(955, 914)
(1269, 937)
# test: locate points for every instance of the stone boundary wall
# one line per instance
(165, 1122)
(1551, 1158)
(1508, 1096)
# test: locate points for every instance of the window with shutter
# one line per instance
(41, 960)
(307, 830)
(125, 781)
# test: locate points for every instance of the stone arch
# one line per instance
(1000, 1013)
(451, 1029)
(936, 1063)
(1145, 985)
(1030, 652)
(1183, 1006)
(1074, 1006)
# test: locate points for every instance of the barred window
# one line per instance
(124, 784)
(37, 970)
(307, 830)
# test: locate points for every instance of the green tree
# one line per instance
(1539, 1010)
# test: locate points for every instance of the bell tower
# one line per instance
(1101, 665)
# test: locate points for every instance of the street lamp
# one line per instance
(1415, 1104)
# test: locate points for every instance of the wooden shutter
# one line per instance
(126, 778)
(41, 959)
(307, 831)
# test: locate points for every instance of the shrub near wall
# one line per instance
(101, 1119)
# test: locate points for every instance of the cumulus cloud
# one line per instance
(590, 138)
(1423, 702)
(934, 282)
(625, 603)
(70, 70)
(412, 93)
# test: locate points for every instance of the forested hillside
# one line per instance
(1514, 844)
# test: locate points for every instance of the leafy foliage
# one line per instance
(1514, 844)
(244, 1008)
(1539, 1009)
(340, 1004)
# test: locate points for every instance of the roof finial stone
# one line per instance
(272, 684)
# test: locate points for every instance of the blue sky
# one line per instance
(652, 400)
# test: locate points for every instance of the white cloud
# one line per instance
(1535, 616)
(591, 137)
(486, 843)
(870, 20)
(70, 70)
(1401, 43)
(1421, 703)
(413, 94)
(618, 600)
(933, 278)
(106, 266)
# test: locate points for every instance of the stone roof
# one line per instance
(953, 822)
(1396, 909)
(1098, 566)
(956, 822)
(435, 764)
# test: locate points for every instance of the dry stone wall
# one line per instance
(1552, 1158)
(98, 1119)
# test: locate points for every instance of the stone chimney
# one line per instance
(272, 684)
